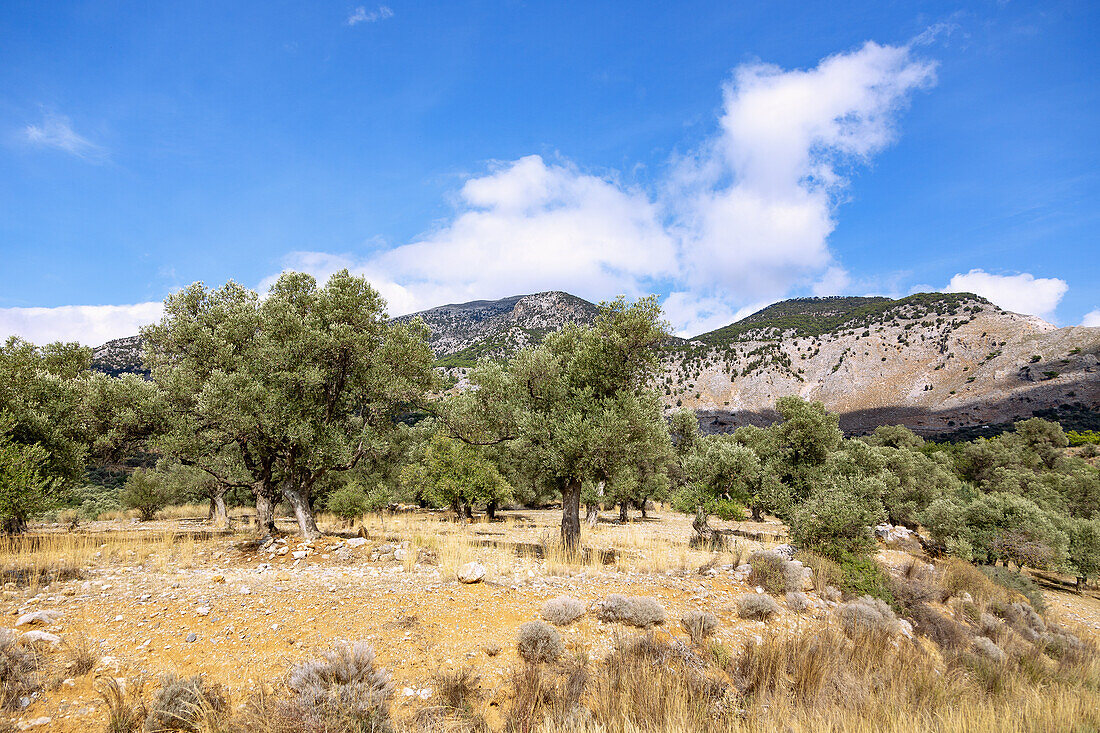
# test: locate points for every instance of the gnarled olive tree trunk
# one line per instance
(303, 512)
(571, 515)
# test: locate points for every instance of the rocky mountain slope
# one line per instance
(933, 361)
(462, 333)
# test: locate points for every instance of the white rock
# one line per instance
(38, 617)
(203, 610)
(245, 590)
(299, 554)
(357, 542)
(399, 553)
(33, 723)
(471, 572)
(40, 637)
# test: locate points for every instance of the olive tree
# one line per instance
(725, 478)
(275, 394)
(453, 474)
(578, 407)
(44, 426)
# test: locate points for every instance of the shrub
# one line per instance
(145, 492)
(837, 517)
(699, 625)
(797, 601)
(342, 688)
(562, 611)
(917, 584)
(1017, 582)
(775, 573)
(868, 615)
(348, 502)
(863, 576)
(757, 606)
(537, 643)
(638, 611)
(184, 703)
(19, 671)
(988, 649)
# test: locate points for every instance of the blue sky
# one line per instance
(721, 154)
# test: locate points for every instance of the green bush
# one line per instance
(862, 576)
(145, 492)
(1019, 583)
(348, 502)
(836, 519)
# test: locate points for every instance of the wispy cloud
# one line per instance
(1092, 318)
(56, 131)
(362, 15)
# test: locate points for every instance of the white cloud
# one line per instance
(1020, 293)
(362, 15)
(526, 226)
(1092, 318)
(91, 325)
(755, 205)
(56, 131)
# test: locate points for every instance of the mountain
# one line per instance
(118, 357)
(936, 362)
(461, 334)
(932, 361)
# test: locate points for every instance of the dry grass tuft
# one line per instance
(125, 708)
(20, 671)
(187, 704)
(699, 625)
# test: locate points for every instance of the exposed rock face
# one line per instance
(121, 356)
(931, 361)
(466, 331)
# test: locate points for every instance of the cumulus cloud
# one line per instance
(1020, 293)
(525, 226)
(755, 205)
(91, 325)
(56, 131)
(362, 15)
(1092, 318)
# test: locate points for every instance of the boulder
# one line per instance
(40, 637)
(471, 572)
(38, 617)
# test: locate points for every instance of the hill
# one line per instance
(937, 362)
(462, 333)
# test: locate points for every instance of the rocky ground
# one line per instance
(242, 614)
